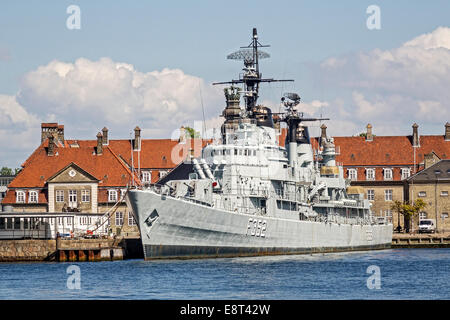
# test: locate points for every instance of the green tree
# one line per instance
(410, 211)
(191, 133)
(5, 171)
(397, 207)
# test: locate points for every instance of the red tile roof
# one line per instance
(387, 150)
(111, 168)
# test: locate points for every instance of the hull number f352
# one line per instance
(256, 227)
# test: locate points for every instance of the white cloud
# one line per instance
(87, 95)
(393, 88)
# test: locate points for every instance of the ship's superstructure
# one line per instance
(248, 195)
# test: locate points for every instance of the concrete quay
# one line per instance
(69, 250)
(420, 240)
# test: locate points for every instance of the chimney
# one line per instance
(105, 136)
(99, 144)
(369, 135)
(49, 129)
(447, 132)
(51, 146)
(137, 138)
(61, 133)
(323, 135)
(416, 141)
(182, 138)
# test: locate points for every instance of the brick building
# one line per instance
(432, 185)
(92, 175)
(381, 164)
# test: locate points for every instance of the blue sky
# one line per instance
(195, 37)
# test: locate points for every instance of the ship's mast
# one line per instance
(251, 78)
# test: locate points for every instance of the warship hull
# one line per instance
(179, 229)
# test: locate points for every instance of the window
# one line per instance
(371, 194)
(388, 213)
(72, 195)
(83, 220)
(85, 195)
(162, 173)
(119, 218)
(112, 195)
(32, 197)
(370, 174)
(406, 172)
(422, 215)
(131, 221)
(422, 194)
(146, 176)
(444, 193)
(352, 174)
(388, 195)
(387, 174)
(20, 197)
(59, 195)
(122, 194)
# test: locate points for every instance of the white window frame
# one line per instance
(422, 194)
(146, 176)
(119, 218)
(388, 173)
(131, 220)
(370, 174)
(352, 172)
(20, 196)
(59, 196)
(162, 173)
(371, 195)
(122, 194)
(406, 173)
(112, 195)
(73, 196)
(444, 193)
(33, 196)
(388, 195)
(422, 215)
(85, 195)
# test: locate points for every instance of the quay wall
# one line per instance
(47, 250)
(26, 250)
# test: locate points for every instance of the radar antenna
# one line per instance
(293, 100)
(251, 77)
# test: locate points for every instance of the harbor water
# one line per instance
(385, 274)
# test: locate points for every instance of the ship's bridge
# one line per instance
(249, 144)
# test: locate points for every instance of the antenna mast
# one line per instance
(251, 78)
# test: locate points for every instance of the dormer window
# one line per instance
(406, 172)
(32, 197)
(352, 174)
(20, 197)
(162, 173)
(112, 195)
(146, 176)
(370, 174)
(387, 174)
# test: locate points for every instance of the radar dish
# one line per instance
(292, 96)
(247, 55)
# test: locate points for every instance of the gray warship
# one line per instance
(248, 195)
